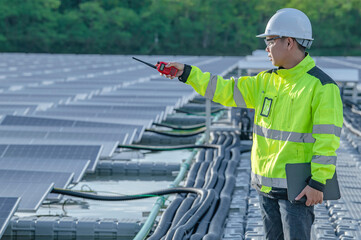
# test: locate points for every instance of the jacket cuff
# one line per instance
(316, 185)
(185, 74)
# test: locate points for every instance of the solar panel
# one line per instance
(32, 194)
(39, 121)
(33, 99)
(21, 134)
(8, 206)
(3, 147)
(105, 106)
(139, 122)
(60, 179)
(34, 121)
(89, 152)
(120, 131)
(165, 101)
(76, 166)
(89, 136)
(99, 137)
(111, 113)
(107, 148)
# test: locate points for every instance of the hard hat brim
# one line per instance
(263, 35)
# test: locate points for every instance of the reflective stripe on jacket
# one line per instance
(298, 118)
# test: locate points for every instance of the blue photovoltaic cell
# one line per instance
(32, 194)
(106, 148)
(34, 121)
(8, 206)
(9, 120)
(76, 166)
(86, 152)
(130, 134)
(43, 121)
(60, 179)
(87, 136)
(3, 147)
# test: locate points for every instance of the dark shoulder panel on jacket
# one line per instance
(272, 70)
(321, 75)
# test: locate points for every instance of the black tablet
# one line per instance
(297, 175)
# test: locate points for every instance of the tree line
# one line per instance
(179, 27)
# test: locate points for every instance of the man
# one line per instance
(298, 119)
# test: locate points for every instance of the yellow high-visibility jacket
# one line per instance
(298, 118)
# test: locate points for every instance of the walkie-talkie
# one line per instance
(161, 67)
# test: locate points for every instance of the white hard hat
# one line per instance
(290, 22)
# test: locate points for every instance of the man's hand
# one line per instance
(313, 196)
(179, 66)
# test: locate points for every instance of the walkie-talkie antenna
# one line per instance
(150, 65)
(161, 67)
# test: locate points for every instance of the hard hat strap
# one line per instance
(304, 42)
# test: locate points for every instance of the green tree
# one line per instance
(335, 24)
(28, 26)
(212, 27)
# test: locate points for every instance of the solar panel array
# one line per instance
(60, 114)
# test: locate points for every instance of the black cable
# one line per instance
(199, 113)
(157, 193)
(179, 127)
(168, 148)
(173, 134)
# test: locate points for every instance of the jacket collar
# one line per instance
(301, 68)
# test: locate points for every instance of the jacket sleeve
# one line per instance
(229, 92)
(327, 112)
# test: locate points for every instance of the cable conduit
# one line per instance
(160, 201)
(203, 226)
(219, 183)
(192, 215)
(215, 227)
(186, 204)
(223, 190)
(214, 180)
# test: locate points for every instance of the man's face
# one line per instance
(276, 49)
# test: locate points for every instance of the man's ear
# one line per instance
(290, 43)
